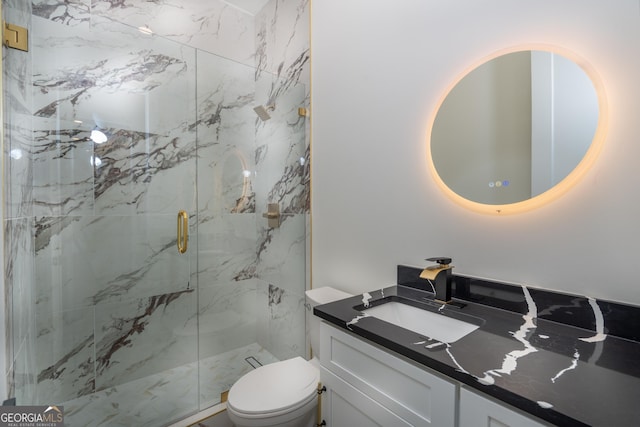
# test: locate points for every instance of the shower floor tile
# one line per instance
(163, 398)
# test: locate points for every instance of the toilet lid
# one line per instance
(275, 387)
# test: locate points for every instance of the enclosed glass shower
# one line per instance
(142, 277)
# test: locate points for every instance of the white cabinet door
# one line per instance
(344, 406)
(477, 411)
(410, 392)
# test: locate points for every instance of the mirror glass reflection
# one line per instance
(514, 127)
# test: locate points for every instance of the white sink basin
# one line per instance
(431, 325)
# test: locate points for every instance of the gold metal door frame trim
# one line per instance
(3, 179)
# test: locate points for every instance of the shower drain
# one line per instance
(253, 362)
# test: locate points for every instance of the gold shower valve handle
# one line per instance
(183, 231)
(272, 215)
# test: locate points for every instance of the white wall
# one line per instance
(378, 70)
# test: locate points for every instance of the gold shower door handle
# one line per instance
(183, 231)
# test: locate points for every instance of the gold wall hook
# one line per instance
(15, 37)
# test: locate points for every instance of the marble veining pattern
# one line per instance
(108, 301)
(65, 354)
(158, 336)
(83, 264)
(599, 335)
(170, 394)
(510, 362)
(279, 328)
(543, 366)
(211, 26)
(68, 12)
(130, 173)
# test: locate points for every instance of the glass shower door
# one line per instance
(116, 131)
(114, 161)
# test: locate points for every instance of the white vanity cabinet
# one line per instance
(478, 411)
(344, 405)
(368, 386)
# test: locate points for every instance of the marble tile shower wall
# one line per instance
(111, 300)
(282, 156)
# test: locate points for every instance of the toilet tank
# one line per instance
(315, 297)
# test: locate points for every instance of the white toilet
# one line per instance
(284, 393)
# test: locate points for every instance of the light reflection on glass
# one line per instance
(98, 136)
(95, 161)
(16, 154)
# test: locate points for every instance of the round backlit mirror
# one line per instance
(516, 130)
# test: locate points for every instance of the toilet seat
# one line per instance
(274, 389)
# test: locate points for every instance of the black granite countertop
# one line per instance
(569, 360)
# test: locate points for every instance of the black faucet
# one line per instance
(440, 277)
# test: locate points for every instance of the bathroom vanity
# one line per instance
(368, 386)
(533, 358)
